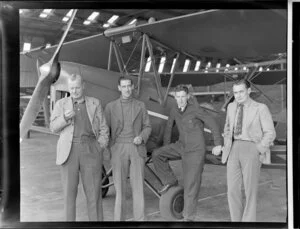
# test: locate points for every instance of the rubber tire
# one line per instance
(105, 182)
(171, 203)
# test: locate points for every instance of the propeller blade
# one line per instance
(56, 53)
(48, 73)
(34, 105)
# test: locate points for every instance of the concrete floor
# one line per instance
(41, 189)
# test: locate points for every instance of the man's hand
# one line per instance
(217, 150)
(69, 114)
(102, 142)
(137, 140)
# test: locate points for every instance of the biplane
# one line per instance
(228, 44)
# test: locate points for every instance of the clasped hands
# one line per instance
(217, 150)
(137, 140)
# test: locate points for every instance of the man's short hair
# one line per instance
(124, 78)
(75, 77)
(242, 81)
(181, 87)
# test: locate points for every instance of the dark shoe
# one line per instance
(166, 187)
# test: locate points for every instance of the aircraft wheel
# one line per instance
(171, 203)
(105, 182)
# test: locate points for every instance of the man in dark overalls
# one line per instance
(190, 147)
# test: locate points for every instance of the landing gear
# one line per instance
(171, 203)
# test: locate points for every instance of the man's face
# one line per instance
(125, 88)
(76, 89)
(181, 98)
(241, 93)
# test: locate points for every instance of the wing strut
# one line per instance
(142, 64)
(119, 60)
(171, 78)
(109, 55)
(156, 75)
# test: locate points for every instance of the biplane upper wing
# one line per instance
(242, 34)
(223, 33)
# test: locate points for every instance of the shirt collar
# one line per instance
(125, 100)
(247, 103)
(82, 100)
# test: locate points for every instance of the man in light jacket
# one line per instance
(248, 134)
(80, 121)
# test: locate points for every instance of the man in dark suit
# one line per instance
(130, 128)
(248, 134)
(80, 121)
(190, 120)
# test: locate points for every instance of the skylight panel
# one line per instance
(86, 22)
(186, 65)
(197, 66)
(43, 15)
(26, 46)
(218, 66)
(132, 21)
(162, 64)
(112, 19)
(93, 16)
(68, 15)
(148, 65)
(208, 65)
(47, 11)
(173, 65)
(227, 66)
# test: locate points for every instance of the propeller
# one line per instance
(48, 73)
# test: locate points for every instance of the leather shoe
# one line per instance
(166, 187)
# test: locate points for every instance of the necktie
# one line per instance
(239, 122)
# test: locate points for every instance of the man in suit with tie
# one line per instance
(248, 134)
(130, 128)
(190, 120)
(80, 121)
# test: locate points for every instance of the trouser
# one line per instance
(125, 158)
(192, 166)
(243, 166)
(85, 158)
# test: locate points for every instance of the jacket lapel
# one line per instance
(90, 108)
(135, 110)
(232, 115)
(251, 112)
(68, 104)
(117, 114)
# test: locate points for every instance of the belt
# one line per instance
(242, 140)
(124, 140)
(84, 139)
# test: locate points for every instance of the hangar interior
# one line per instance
(181, 49)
